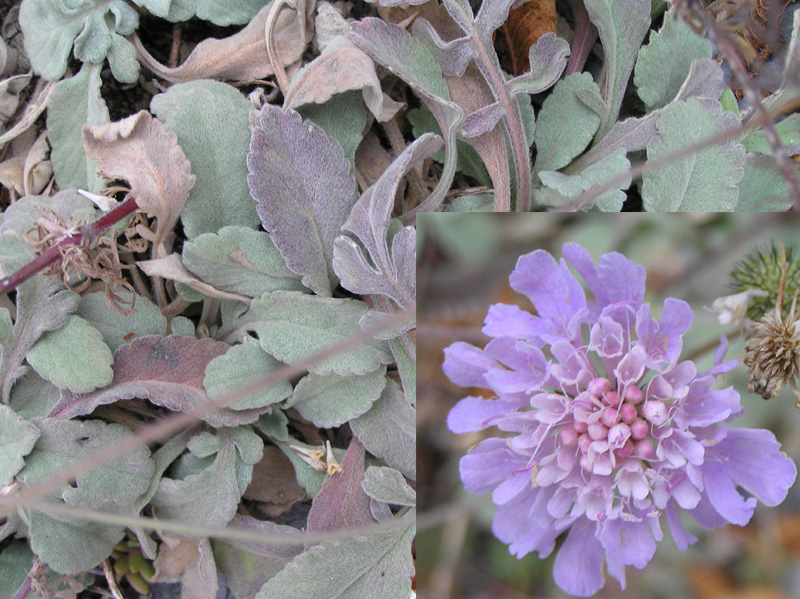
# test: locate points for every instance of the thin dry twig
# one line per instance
(272, 49)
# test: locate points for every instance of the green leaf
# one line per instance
(74, 357)
(52, 28)
(389, 486)
(63, 443)
(469, 162)
(557, 145)
(239, 260)
(788, 131)
(622, 25)
(388, 430)
(330, 400)
(343, 118)
(15, 563)
(210, 490)
(42, 305)
(218, 12)
(17, 437)
(74, 103)
(242, 365)
(71, 545)
(478, 202)
(664, 63)
(404, 350)
(362, 567)
(762, 188)
(33, 397)
(308, 478)
(705, 181)
(292, 326)
(116, 329)
(571, 186)
(210, 119)
(274, 425)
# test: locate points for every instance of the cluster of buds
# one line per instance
(130, 562)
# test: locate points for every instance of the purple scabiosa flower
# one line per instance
(606, 430)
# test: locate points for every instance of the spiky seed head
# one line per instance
(762, 269)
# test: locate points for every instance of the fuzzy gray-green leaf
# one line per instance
(330, 400)
(622, 25)
(17, 437)
(389, 486)
(388, 430)
(557, 144)
(63, 443)
(704, 181)
(53, 28)
(342, 117)
(361, 567)
(242, 365)
(664, 63)
(210, 119)
(293, 326)
(116, 329)
(74, 103)
(239, 260)
(54, 357)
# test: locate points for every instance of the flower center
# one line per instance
(608, 426)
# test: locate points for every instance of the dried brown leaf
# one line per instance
(274, 483)
(170, 267)
(243, 56)
(144, 152)
(523, 28)
(341, 67)
(189, 562)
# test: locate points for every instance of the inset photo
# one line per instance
(608, 406)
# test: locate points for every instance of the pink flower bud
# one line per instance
(584, 441)
(628, 413)
(579, 426)
(609, 417)
(639, 429)
(624, 451)
(611, 398)
(568, 435)
(633, 394)
(599, 386)
(597, 431)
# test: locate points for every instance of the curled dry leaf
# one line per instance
(144, 152)
(525, 25)
(10, 90)
(342, 66)
(170, 267)
(243, 56)
(191, 562)
(274, 484)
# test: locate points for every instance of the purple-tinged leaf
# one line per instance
(547, 57)
(396, 2)
(301, 180)
(377, 272)
(482, 120)
(491, 15)
(408, 58)
(167, 371)
(461, 12)
(342, 502)
(452, 56)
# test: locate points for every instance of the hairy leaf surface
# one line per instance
(17, 437)
(302, 183)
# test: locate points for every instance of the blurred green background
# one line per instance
(463, 265)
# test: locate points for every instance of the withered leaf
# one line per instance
(144, 152)
(242, 56)
(342, 502)
(342, 66)
(525, 25)
(167, 371)
(274, 483)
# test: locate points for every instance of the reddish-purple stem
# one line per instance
(89, 231)
(585, 37)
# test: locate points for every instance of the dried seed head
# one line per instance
(773, 352)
